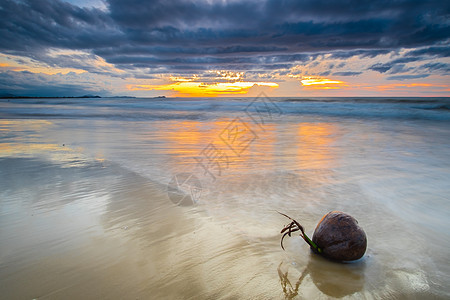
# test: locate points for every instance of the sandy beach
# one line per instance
(87, 212)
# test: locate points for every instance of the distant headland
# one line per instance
(7, 95)
(12, 96)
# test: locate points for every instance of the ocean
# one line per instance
(178, 198)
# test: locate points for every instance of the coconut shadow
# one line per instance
(333, 279)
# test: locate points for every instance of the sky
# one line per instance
(210, 48)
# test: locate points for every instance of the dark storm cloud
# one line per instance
(30, 26)
(438, 51)
(443, 67)
(25, 83)
(381, 68)
(348, 73)
(199, 35)
(407, 77)
(185, 51)
(400, 65)
(393, 67)
(361, 53)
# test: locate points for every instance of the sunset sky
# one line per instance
(206, 48)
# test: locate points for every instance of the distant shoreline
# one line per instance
(72, 97)
(46, 97)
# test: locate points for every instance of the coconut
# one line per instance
(337, 236)
(340, 237)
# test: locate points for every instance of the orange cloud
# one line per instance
(394, 86)
(10, 67)
(185, 87)
(316, 82)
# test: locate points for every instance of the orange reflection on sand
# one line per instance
(22, 124)
(13, 127)
(184, 137)
(263, 149)
(228, 144)
(29, 127)
(66, 156)
(13, 149)
(30, 143)
(188, 139)
(234, 137)
(315, 145)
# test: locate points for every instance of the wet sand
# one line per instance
(104, 232)
(85, 210)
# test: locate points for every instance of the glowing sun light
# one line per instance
(319, 82)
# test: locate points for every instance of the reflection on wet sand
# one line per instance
(332, 279)
(66, 155)
(314, 145)
(33, 144)
(312, 149)
(109, 233)
(72, 226)
(188, 140)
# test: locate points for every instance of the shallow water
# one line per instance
(123, 198)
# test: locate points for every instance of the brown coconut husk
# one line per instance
(337, 236)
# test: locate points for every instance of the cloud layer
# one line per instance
(144, 39)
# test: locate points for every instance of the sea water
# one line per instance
(179, 198)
